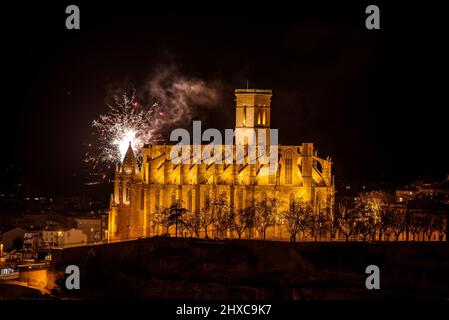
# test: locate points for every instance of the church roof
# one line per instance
(129, 162)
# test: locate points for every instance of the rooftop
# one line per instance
(259, 91)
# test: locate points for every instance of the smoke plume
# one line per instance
(180, 96)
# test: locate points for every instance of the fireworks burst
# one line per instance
(126, 121)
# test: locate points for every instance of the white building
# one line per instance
(54, 237)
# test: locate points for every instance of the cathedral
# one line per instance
(142, 191)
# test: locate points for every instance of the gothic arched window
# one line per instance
(142, 198)
(190, 201)
(157, 200)
(292, 201)
(288, 167)
(128, 192)
(206, 199)
(240, 199)
(120, 192)
(173, 197)
(272, 178)
(244, 116)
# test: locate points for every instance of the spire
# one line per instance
(129, 162)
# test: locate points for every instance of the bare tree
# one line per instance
(190, 221)
(224, 220)
(307, 220)
(220, 216)
(163, 218)
(265, 215)
(399, 222)
(441, 226)
(297, 218)
(362, 226)
(205, 219)
(330, 222)
(346, 219)
(250, 220)
(369, 206)
(170, 216)
(240, 220)
(430, 225)
(292, 217)
(386, 223)
(415, 225)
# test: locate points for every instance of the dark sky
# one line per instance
(349, 90)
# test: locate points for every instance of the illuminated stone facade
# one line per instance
(142, 191)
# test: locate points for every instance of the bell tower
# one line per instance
(252, 114)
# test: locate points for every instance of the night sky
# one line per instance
(350, 90)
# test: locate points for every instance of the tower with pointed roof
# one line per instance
(129, 161)
(121, 219)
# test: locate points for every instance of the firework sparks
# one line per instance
(126, 121)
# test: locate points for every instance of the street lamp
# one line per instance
(59, 238)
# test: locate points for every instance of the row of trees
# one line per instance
(221, 218)
(367, 218)
(371, 218)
